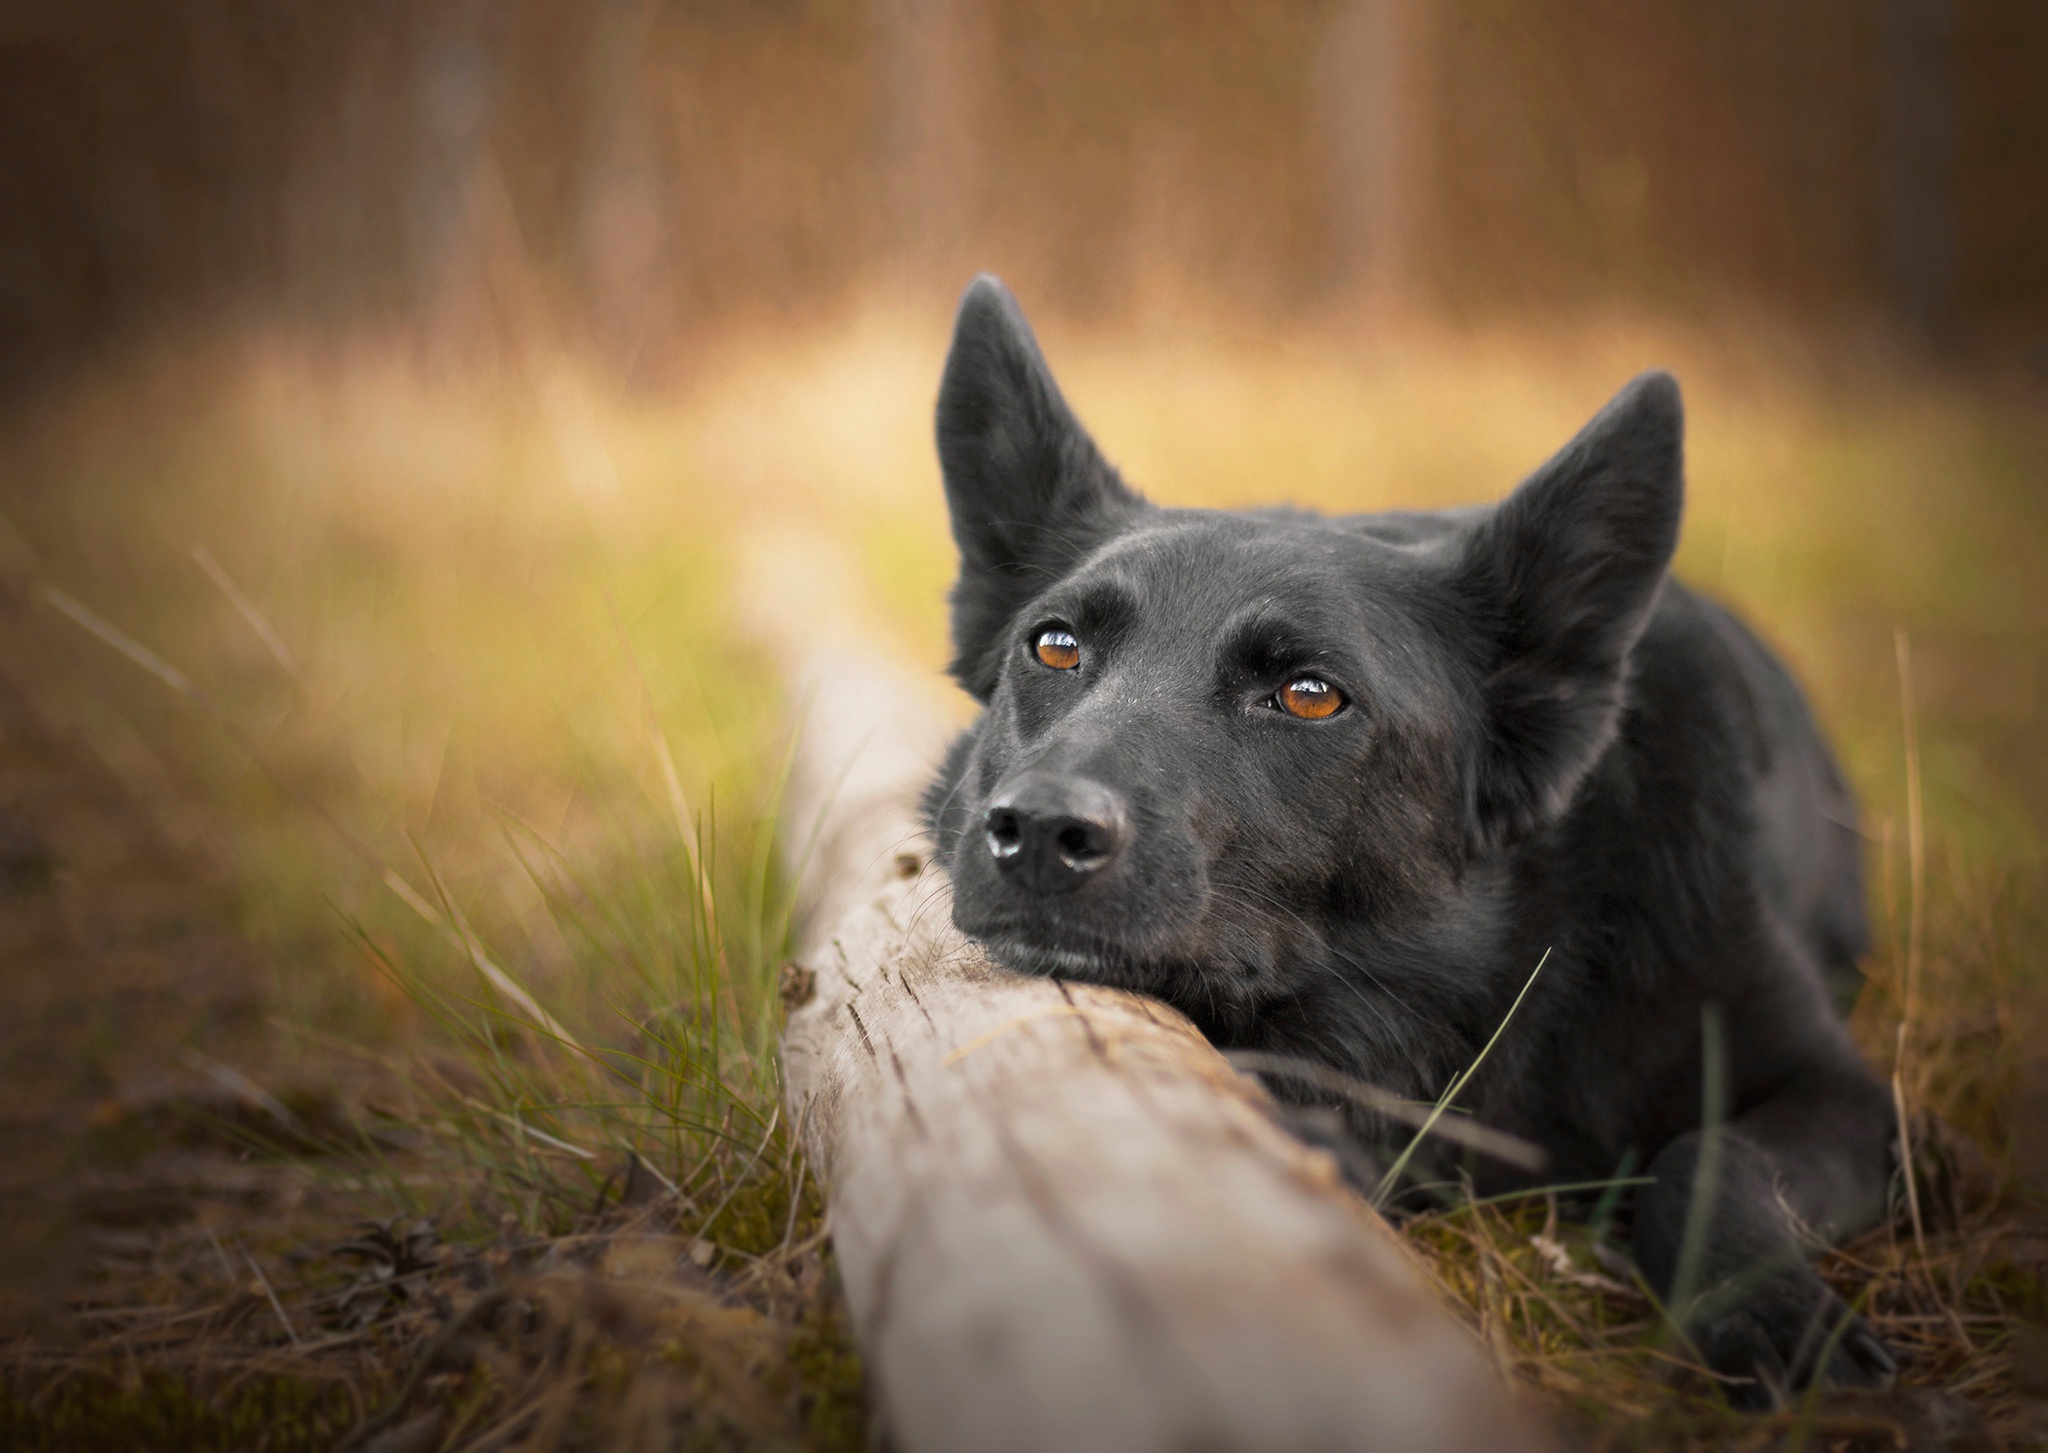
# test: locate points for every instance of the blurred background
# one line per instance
(390, 393)
(635, 175)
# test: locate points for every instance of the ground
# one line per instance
(391, 905)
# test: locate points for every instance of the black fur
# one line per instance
(1549, 745)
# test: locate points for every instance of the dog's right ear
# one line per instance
(1029, 492)
(1563, 575)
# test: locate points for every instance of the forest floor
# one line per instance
(203, 1244)
(391, 904)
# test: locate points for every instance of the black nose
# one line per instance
(1050, 836)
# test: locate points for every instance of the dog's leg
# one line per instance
(1726, 1214)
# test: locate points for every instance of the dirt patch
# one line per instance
(122, 983)
(155, 1191)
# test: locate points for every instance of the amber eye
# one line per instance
(1310, 698)
(1057, 649)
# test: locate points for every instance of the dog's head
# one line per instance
(1219, 749)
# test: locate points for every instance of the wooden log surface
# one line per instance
(1062, 1220)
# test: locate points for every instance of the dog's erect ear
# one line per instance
(1563, 574)
(1028, 491)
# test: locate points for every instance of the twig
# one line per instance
(1916, 845)
(226, 1266)
(484, 1306)
(801, 1170)
(1916, 858)
(130, 1333)
(275, 1305)
(704, 1231)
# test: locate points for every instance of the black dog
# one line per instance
(1333, 787)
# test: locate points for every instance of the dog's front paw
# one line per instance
(1783, 1335)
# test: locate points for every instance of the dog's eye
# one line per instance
(1057, 649)
(1309, 697)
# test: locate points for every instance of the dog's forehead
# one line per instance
(1212, 564)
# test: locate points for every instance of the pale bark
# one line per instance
(1063, 1221)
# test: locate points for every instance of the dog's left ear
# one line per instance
(1028, 490)
(1562, 576)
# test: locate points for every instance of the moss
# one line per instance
(756, 1220)
(831, 1383)
(81, 1414)
(2010, 1286)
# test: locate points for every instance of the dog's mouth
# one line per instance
(1069, 958)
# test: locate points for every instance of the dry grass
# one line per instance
(498, 801)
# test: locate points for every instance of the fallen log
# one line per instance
(1062, 1220)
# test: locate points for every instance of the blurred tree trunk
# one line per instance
(449, 164)
(622, 233)
(932, 71)
(1375, 99)
(1916, 53)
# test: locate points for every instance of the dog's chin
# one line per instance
(1065, 951)
(1088, 959)
(1090, 964)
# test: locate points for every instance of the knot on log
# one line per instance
(798, 986)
